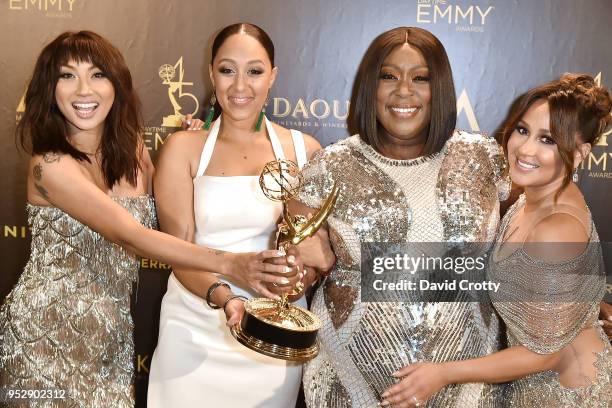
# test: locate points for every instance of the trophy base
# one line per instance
(274, 350)
(278, 330)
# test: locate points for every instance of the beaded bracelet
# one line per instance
(232, 298)
(210, 291)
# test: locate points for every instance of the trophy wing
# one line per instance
(314, 223)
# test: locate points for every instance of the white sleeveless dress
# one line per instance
(197, 363)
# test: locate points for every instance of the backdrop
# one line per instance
(497, 48)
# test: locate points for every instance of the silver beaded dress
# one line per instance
(451, 196)
(66, 325)
(545, 306)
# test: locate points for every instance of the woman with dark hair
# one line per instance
(405, 176)
(207, 192)
(66, 325)
(558, 354)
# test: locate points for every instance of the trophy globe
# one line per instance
(166, 72)
(280, 180)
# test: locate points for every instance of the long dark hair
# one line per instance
(362, 113)
(578, 109)
(43, 128)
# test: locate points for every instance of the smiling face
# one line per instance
(403, 96)
(84, 95)
(533, 155)
(242, 75)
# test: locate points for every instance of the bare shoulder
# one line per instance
(181, 151)
(51, 163)
(185, 141)
(312, 145)
(558, 227)
(47, 172)
(558, 237)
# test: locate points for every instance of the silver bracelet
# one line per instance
(232, 298)
(210, 291)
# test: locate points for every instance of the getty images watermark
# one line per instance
(443, 272)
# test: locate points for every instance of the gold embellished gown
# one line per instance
(545, 306)
(66, 325)
(451, 196)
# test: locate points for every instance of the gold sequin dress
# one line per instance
(66, 325)
(451, 196)
(545, 306)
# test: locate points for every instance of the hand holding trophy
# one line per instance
(276, 327)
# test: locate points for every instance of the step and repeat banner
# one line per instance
(497, 48)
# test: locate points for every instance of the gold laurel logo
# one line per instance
(167, 72)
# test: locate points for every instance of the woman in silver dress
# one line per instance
(406, 176)
(65, 328)
(548, 261)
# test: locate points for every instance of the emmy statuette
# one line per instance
(278, 328)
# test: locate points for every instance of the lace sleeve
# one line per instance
(545, 306)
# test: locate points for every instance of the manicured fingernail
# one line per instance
(301, 275)
(280, 252)
(188, 123)
(610, 318)
(396, 374)
(284, 281)
(601, 322)
(291, 258)
(385, 394)
(384, 403)
(287, 269)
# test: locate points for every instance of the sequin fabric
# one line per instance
(66, 324)
(451, 195)
(538, 314)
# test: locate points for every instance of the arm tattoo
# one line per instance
(51, 157)
(42, 191)
(37, 172)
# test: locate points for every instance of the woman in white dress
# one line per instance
(207, 191)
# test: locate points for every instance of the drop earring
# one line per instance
(260, 117)
(211, 111)
(575, 175)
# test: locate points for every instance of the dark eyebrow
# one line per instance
(398, 68)
(524, 124)
(74, 67)
(233, 62)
